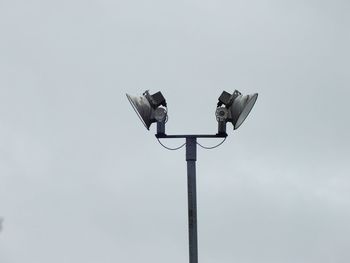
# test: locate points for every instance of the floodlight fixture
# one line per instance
(149, 108)
(235, 110)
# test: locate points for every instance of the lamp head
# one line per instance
(148, 107)
(236, 107)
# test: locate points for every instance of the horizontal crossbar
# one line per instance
(165, 136)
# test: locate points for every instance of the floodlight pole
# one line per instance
(191, 158)
(236, 108)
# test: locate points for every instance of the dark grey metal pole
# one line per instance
(191, 157)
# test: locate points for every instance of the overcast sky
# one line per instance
(81, 180)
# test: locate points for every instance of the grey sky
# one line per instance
(81, 180)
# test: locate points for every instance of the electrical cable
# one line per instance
(209, 148)
(171, 149)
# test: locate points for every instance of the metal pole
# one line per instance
(191, 157)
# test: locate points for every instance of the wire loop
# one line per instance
(209, 148)
(171, 149)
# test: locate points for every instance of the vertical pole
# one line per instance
(161, 127)
(221, 127)
(191, 157)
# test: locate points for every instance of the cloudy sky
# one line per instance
(81, 180)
